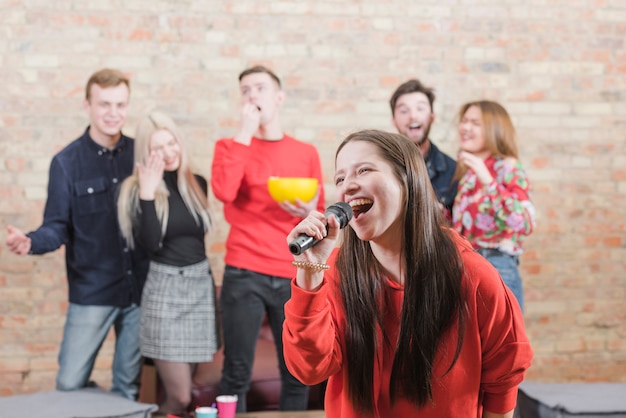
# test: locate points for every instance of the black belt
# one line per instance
(488, 252)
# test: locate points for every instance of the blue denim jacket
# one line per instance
(81, 213)
(441, 171)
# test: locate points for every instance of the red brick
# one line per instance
(230, 51)
(15, 164)
(140, 35)
(44, 363)
(15, 364)
(564, 97)
(618, 175)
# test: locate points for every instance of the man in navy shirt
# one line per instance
(105, 278)
(412, 115)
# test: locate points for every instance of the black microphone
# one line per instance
(343, 213)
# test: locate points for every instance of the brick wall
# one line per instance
(559, 66)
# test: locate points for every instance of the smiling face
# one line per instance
(164, 143)
(107, 108)
(471, 134)
(413, 116)
(367, 182)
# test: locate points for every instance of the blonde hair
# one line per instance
(498, 129)
(193, 196)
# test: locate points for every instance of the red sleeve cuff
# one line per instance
(500, 403)
(306, 303)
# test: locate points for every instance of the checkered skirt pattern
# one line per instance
(178, 313)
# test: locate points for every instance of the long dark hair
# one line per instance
(433, 295)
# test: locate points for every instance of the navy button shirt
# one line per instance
(81, 213)
(441, 172)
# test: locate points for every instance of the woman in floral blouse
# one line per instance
(492, 208)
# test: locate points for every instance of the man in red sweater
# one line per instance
(258, 268)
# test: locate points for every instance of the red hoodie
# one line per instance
(494, 357)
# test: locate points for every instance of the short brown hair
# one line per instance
(260, 69)
(104, 78)
(411, 86)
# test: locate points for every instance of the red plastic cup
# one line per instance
(226, 406)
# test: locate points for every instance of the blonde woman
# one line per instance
(163, 207)
(492, 208)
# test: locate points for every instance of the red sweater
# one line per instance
(495, 353)
(258, 226)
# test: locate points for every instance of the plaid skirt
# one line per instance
(178, 313)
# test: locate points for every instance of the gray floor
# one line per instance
(85, 403)
(564, 400)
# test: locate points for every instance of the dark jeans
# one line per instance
(245, 299)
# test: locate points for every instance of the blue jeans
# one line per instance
(86, 327)
(245, 299)
(507, 266)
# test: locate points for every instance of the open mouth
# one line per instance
(360, 206)
(415, 126)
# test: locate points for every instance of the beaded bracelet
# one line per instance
(305, 265)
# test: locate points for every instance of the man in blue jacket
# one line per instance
(105, 278)
(412, 115)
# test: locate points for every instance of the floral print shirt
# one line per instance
(497, 215)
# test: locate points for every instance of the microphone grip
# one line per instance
(340, 210)
(301, 244)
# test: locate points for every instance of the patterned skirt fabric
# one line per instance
(178, 314)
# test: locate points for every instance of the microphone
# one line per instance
(343, 213)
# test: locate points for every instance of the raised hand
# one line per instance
(150, 175)
(249, 123)
(315, 225)
(477, 165)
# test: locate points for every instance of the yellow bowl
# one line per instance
(291, 188)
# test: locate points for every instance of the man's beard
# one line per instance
(424, 137)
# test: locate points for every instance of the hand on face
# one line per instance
(167, 147)
(476, 164)
(261, 96)
(17, 241)
(150, 175)
(250, 121)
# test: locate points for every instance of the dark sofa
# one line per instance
(265, 384)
